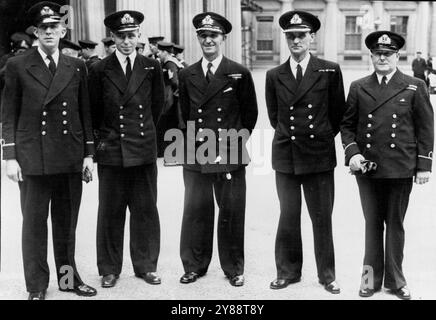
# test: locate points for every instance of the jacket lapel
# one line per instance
(138, 76)
(220, 80)
(311, 76)
(38, 69)
(371, 86)
(64, 74)
(287, 78)
(197, 77)
(395, 86)
(115, 73)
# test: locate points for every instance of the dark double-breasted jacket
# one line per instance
(46, 120)
(227, 102)
(306, 118)
(393, 128)
(124, 113)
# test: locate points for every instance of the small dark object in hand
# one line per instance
(369, 165)
(87, 175)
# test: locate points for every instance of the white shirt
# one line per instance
(215, 64)
(123, 59)
(55, 57)
(303, 63)
(388, 77)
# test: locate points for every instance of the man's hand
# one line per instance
(356, 163)
(88, 162)
(13, 171)
(422, 177)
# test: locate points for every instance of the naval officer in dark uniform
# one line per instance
(88, 52)
(127, 96)
(48, 142)
(217, 94)
(305, 100)
(388, 135)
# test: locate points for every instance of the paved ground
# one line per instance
(261, 223)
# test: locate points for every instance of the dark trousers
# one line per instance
(319, 194)
(120, 188)
(385, 201)
(63, 194)
(198, 221)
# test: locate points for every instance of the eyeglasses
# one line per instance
(383, 53)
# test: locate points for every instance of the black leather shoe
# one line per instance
(190, 277)
(332, 287)
(109, 280)
(237, 281)
(403, 293)
(283, 283)
(37, 295)
(150, 278)
(82, 290)
(366, 293)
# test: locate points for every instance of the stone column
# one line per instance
(433, 32)
(157, 17)
(422, 28)
(231, 10)
(188, 37)
(234, 40)
(331, 30)
(96, 31)
(284, 49)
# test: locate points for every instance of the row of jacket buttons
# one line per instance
(44, 121)
(393, 135)
(292, 118)
(122, 126)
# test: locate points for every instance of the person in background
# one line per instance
(109, 46)
(140, 48)
(178, 53)
(171, 114)
(70, 48)
(152, 43)
(30, 31)
(419, 66)
(88, 52)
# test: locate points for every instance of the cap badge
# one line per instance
(46, 11)
(296, 19)
(384, 39)
(127, 19)
(207, 20)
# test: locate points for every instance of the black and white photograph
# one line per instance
(235, 152)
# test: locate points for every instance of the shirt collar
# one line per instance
(122, 58)
(55, 55)
(215, 63)
(303, 63)
(388, 77)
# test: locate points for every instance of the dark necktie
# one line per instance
(51, 65)
(128, 69)
(384, 83)
(299, 74)
(209, 74)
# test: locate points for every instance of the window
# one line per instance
(399, 25)
(265, 33)
(353, 33)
